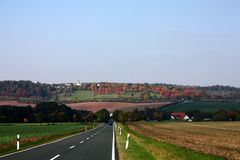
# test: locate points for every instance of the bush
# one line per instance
(221, 116)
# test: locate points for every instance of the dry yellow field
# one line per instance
(216, 138)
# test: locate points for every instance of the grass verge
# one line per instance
(136, 150)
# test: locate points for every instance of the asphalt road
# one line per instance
(94, 144)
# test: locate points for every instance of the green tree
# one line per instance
(157, 116)
(196, 114)
(115, 115)
(91, 117)
(103, 115)
(123, 117)
(135, 115)
(61, 117)
(39, 117)
(2, 118)
(76, 117)
(220, 116)
(147, 96)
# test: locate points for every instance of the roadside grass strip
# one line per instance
(135, 151)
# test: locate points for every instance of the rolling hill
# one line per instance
(202, 106)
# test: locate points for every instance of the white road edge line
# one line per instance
(71, 147)
(113, 143)
(81, 141)
(50, 142)
(55, 157)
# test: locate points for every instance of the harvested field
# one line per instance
(95, 106)
(216, 138)
(15, 103)
(111, 106)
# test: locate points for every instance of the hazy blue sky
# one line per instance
(195, 42)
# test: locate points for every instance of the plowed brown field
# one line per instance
(15, 103)
(95, 106)
(111, 106)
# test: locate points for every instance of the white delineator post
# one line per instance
(18, 143)
(120, 131)
(113, 143)
(127, 142)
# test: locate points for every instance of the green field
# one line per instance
(202, 106)
(142, 147)
(82, 95)
(78, 96)
(34, 134)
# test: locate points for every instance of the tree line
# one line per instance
(221, 115)
(148, 114)
(48, 112)
(155, 114)
(26, 89)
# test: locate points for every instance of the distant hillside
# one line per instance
(201, 106)
(27, 91)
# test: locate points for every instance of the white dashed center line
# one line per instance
(71, 147)
(55, 157)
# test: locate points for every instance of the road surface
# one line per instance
(94, 144)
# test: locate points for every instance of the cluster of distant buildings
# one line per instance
(184, 117)
(180, 116)
(77, 84)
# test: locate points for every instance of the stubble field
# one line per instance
(215, 138)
